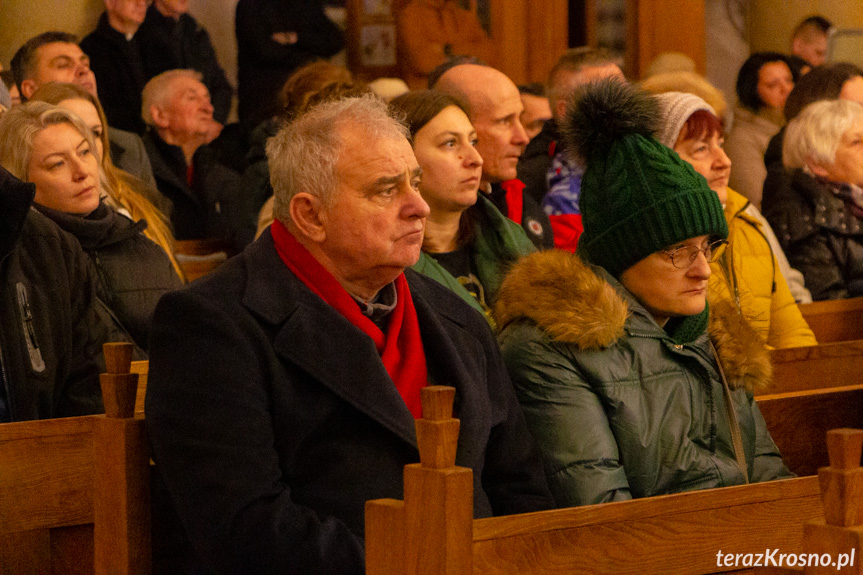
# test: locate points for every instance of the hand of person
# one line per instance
(284, 38)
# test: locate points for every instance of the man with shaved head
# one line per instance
(494, 104)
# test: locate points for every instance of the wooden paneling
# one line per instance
(656, 26)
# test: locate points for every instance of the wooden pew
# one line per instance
(74, 492)
(834, 544)
(142, 368)
(432, 530)
(199, 257)
(799, 420)
(835, 320)
(815, 367)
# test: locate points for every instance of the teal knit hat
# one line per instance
(637, 195)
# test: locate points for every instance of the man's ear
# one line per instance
(560, 109)
(28, 88)
(309, 216)
(160, 119)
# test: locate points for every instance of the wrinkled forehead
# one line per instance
(365, 158)
(182, 85)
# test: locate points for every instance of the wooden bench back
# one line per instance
(74, 492)
(142, 368)
(835, 320)
(799, 420)
(816, 367)
(432, 531)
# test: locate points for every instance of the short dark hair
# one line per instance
(819, 23)
(418, 108)
(747, 78)
(450, 63)
(534, 89)
(24, 61)
(822, 83)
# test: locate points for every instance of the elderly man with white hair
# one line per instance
(284, 387)
(205, 194)
(818, 218)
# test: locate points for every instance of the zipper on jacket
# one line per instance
(29, 332)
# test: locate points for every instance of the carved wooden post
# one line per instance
(121, 506)
(841, 533)
(431, 532)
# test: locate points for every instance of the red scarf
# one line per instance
(514, 199)
(401, 348)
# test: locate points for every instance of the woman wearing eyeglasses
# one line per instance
(752, 272)
(630, 383)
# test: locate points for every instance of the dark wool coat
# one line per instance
(131, 271)
(119, 71)
(168, 44)
(273, 420)
(534, 163)
(49, 334)
(212, 207)
(820, 235)
(263, 64)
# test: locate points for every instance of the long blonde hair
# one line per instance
(122, 186)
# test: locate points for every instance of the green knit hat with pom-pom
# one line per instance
(637, 195)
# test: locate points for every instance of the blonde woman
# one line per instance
(55, 150)
(128, 194)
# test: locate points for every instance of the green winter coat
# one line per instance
(618, 409)
(498, 242)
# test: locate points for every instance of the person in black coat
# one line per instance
(817, 213)
(115, 59)
(53, 148)
(205, 195)
(171, 39)
(51, 338)
(274, 38)
(284, 387)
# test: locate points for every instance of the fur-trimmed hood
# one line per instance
(573, 304)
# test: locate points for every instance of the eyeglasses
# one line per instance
(683, 256)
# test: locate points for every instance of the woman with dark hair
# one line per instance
(468, 242)
(630, 384)
(763, 85)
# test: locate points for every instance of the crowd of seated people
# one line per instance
(576, 284)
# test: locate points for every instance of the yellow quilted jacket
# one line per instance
(748, 275)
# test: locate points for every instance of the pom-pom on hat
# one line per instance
(637, 195)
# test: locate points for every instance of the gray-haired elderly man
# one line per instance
(284, 387)
(205, 194)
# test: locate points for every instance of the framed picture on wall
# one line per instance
(378, 45)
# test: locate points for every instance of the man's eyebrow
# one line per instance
(385, 181)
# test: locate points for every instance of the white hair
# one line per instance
(814, 135)
(304, 155)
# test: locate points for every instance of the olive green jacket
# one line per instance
(498, 242)
(618, 408)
